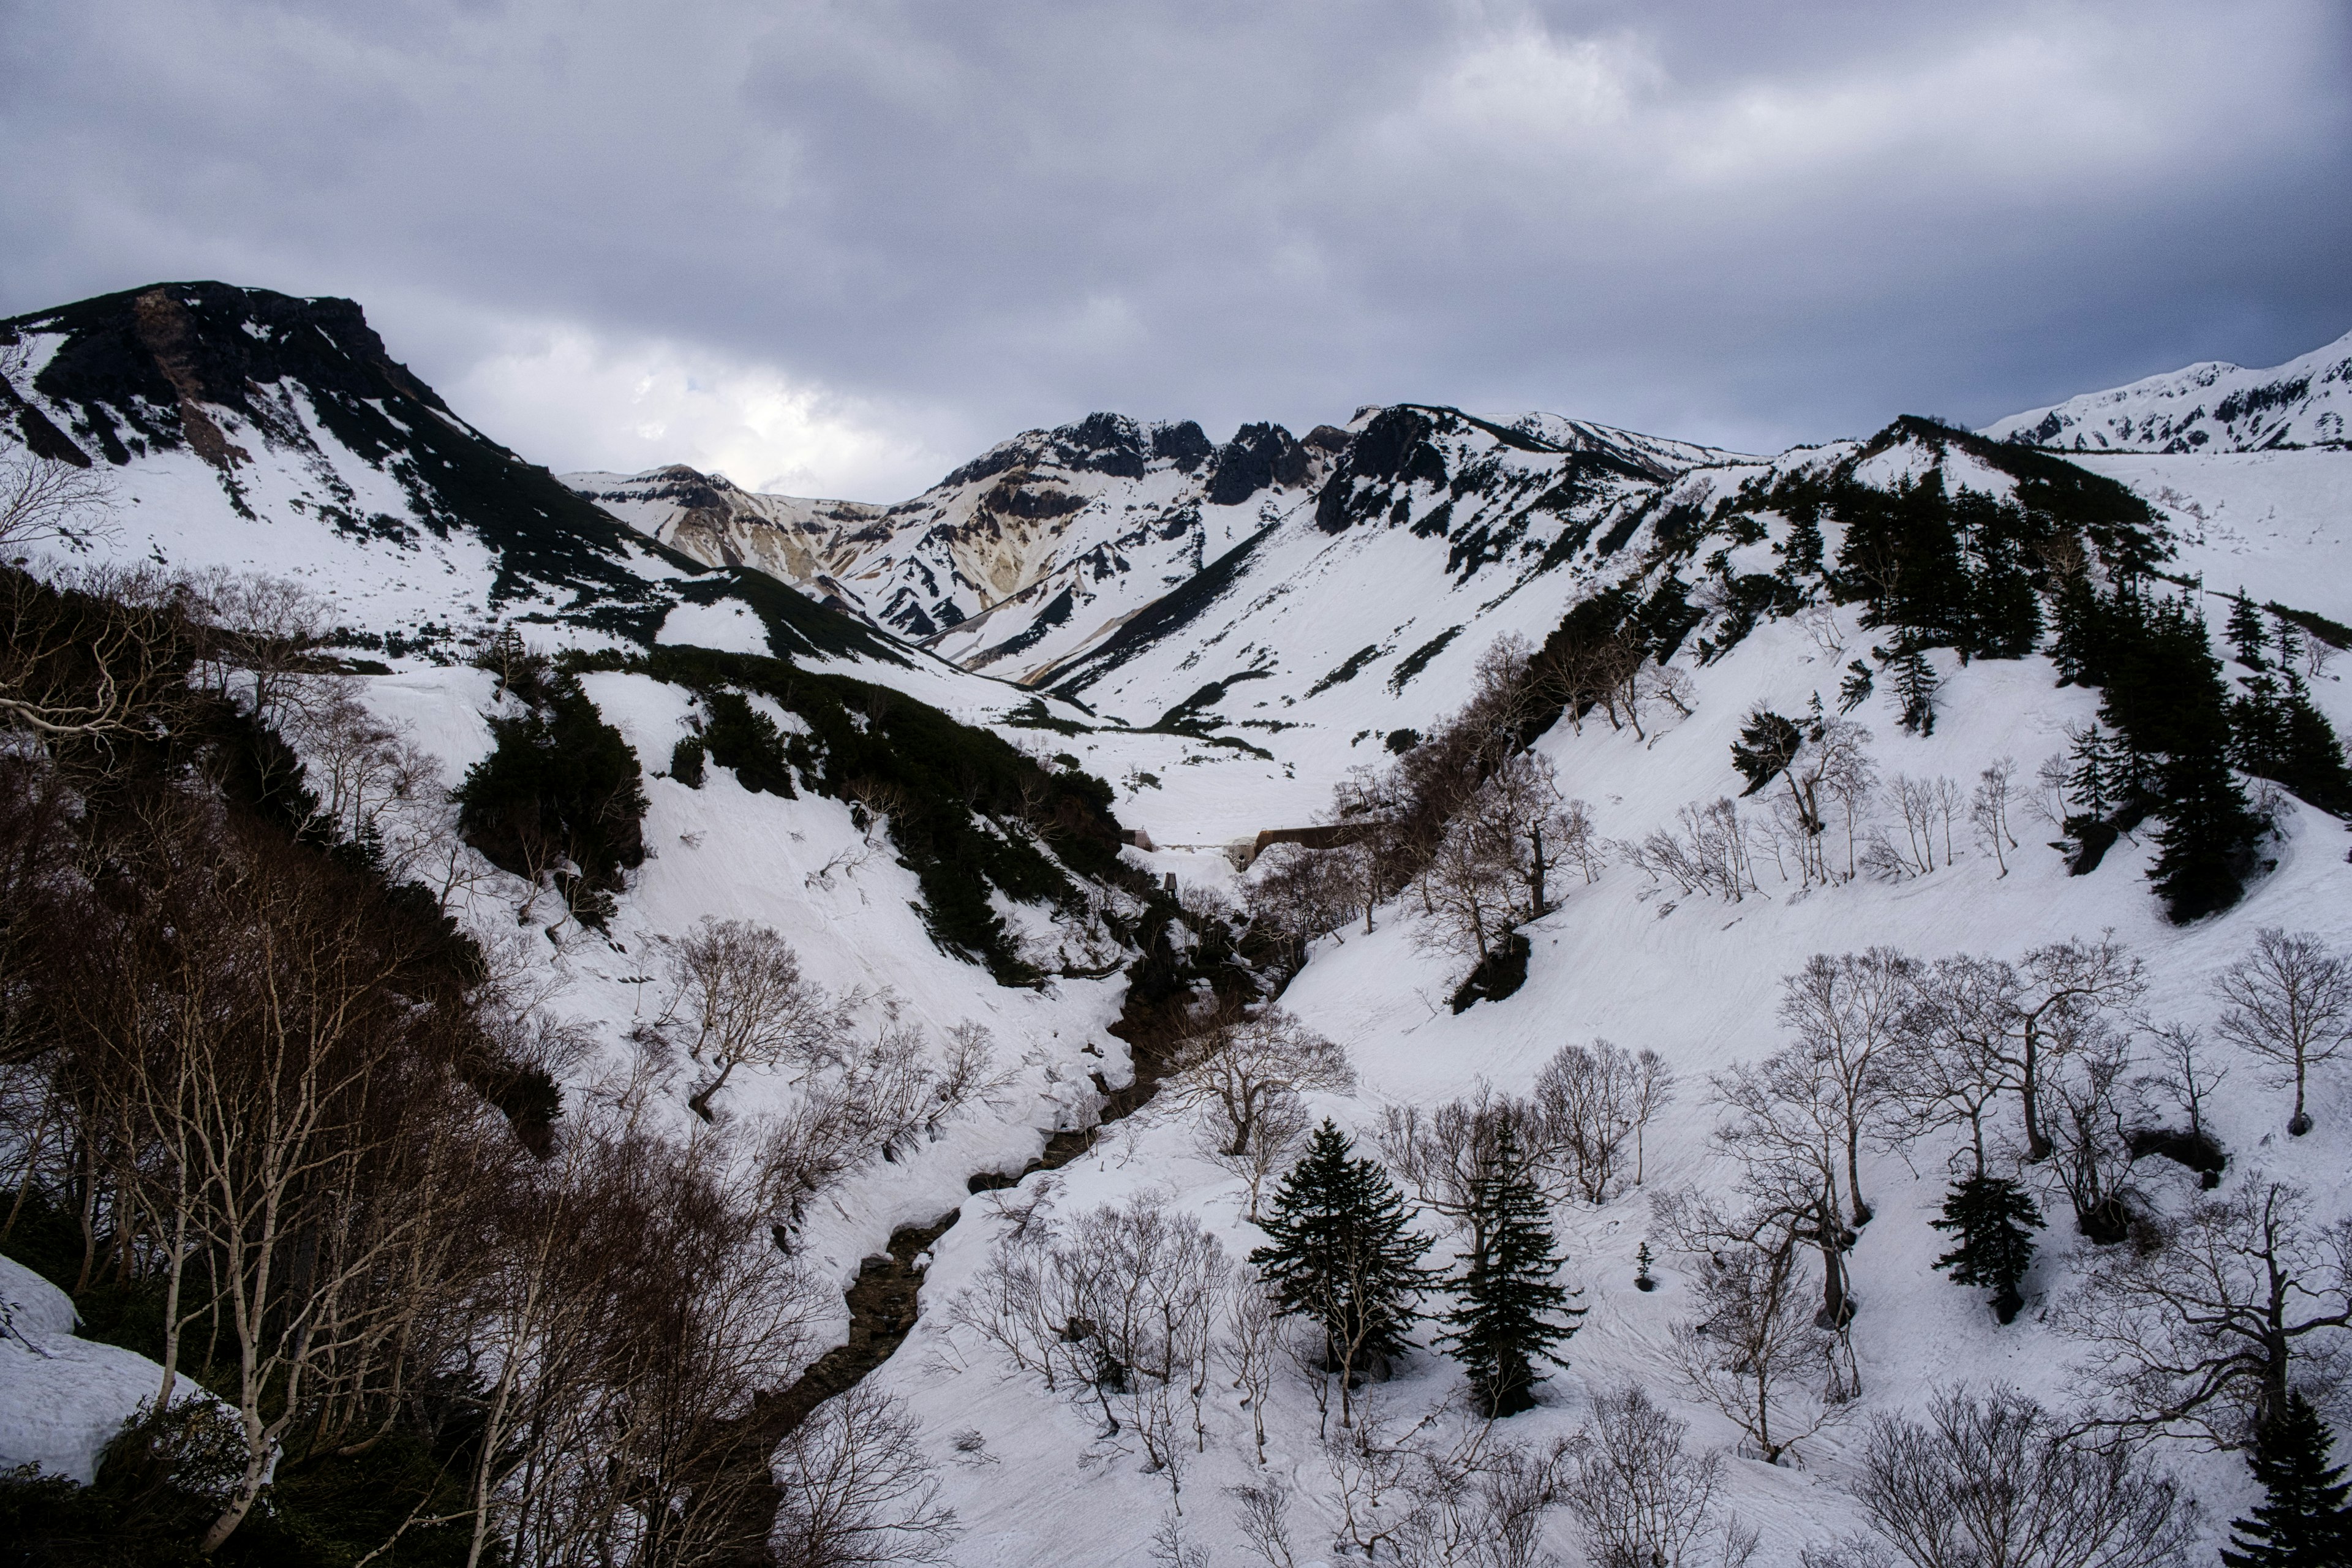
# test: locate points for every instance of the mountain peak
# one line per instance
(2212, 406)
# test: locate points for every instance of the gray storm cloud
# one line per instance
(839, 246)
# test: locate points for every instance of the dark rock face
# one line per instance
(1394, 450)
(1259, 456)
(1182, 444)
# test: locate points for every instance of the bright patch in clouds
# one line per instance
(572, 399)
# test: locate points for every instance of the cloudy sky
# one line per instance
(835, 249)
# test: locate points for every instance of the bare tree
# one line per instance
(1988, 809)
(1441, 1152)
(855, 1490)
(1592, 1102)
(1642, 1497)
(740, 987)
(1241, 1062)
(44, 498)
(1848, 1014)
(1786, 1129)
(1994, 1480)
(2013, 1019)
(1252, 1339)
(2091, 1155)
(2186, 1074)
(2204, 1331)
(1756, 1352)
(1273, 1141)
(2290, 1002)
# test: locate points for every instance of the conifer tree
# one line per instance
(2208, 834)
(1341, 1251)
(1916, 686)
(1855, 688)
(2301, 1522)
(1995, 1220)
(2091, 786)
(1510, 1312)
(2079, 648)
(2249, 637)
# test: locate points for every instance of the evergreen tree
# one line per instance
(1341, 1251)
(2078, 649)
(2310, 757)
(1994, 1219)
(1510, 1312)
(2258, 725)
(2290, 645)
(2208, 836)
(2301, 1522)
(1916, 686)
(2247, 633)
(1767, 742)
(1855, 688)
(2091, 786)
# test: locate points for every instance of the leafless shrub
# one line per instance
(1994, 1480)
(1641, 1497)
(1262, 1514)
(1118, 1310)
(855, 1488)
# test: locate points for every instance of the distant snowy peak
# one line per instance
(2212, 407)
(705, 517)
(1114, 510)
(1580, 435)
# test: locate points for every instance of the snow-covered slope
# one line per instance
(1047, 545)
(2213, 407)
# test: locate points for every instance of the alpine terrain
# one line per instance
(1457, 987)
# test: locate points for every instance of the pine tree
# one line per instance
(1855, 688)
(2091, 786)
(1510, 1312)
(2247, 633)
(2303, 1522)
(1768, 744)
(1916, 686)
(2208, 834)
(1341, 1251)
(1995, 1220)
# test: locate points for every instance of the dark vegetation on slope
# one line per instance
(558, 797)
(966, 812)
(164, 899)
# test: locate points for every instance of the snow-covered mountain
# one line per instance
(246, 430)
(1221, 633)
(2209, 407)
(1046, 544)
